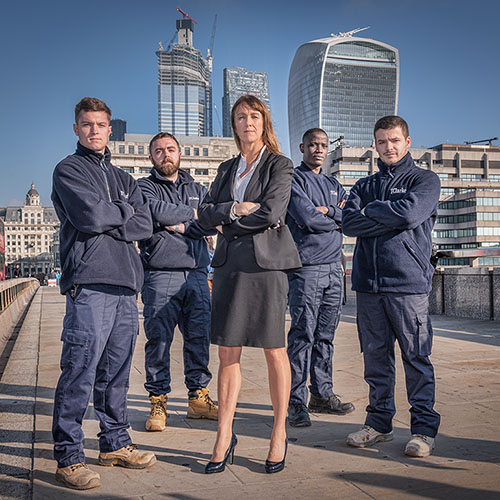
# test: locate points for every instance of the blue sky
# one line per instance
(55, 52)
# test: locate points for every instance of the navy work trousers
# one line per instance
(315, 302)
(171, 298)
(99, 333)
(384, 318)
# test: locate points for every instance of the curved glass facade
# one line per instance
(343, 85)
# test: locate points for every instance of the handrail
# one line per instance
(11, 289)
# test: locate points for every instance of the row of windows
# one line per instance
(476, 216)
(473, 231)
(140, 150)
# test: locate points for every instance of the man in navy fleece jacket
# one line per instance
(316, 289)
(392, 214)
(102, 212)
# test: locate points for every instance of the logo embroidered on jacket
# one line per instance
(123, 194)
(398, 190)
(194, 198)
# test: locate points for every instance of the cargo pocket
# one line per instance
(75, 350)
(424, 334)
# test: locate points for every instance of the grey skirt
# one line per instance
(248, 302)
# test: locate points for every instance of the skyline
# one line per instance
(54, 55)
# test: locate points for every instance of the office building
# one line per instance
(342, 84)
(238, 82)
(118, 130)
(30, 232)
(184, 86)
(469, 207)
(201, 156)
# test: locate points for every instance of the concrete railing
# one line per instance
(10, 290)
(466, 292)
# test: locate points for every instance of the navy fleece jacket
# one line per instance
(102, 212)
(317, 236)
(173, 203)
(394, 234)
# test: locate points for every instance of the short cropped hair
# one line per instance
(91, 104)
(312, 131)
(392, 121)
(162, 135)
(268, 136)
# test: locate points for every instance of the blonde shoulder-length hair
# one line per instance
(268, 136)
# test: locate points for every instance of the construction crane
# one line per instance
(210, 50)
(489, 141)
(186, 15)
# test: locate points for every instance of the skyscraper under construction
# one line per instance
(184, 86)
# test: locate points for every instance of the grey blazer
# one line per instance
(270, 186)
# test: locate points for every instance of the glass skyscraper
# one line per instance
(238, 82)
(184, 86)
(343, 85)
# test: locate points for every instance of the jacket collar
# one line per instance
(93, 155)
(397, 168)
(304, 168)
(182, 177)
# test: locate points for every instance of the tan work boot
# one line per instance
(157, 420)
(78, 477)
(201, 405)
(128, 456)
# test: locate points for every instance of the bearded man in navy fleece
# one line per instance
(102, 212)
(392, 214)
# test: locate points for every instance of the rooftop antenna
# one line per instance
(347, 34)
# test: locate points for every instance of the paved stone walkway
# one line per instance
(466, 463)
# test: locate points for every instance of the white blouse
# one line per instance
(241, 183)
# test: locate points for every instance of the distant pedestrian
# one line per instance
(102, 212)
(316, 289)
(175, 291)
(392, 214)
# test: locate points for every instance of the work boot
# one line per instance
(331, 404)
(78, 477)
(157, 420)
(367, 436)
(298, 416)
(419, 445)
(128, 456)
(201, 405)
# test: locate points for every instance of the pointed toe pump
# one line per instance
(273, 467)
(214, 467)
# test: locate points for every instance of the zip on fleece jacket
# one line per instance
(394, 234)
(174, 203)
(102, 212)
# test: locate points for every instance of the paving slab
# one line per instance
(465, 465)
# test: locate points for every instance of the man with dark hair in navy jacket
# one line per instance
(175, 291)
(316, 289)
(392, 214)
(102, 212)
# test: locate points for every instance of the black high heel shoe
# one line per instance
(214, 467)
(272, 467)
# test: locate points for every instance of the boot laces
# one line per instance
(209, 401)
(157, 410)
(78, 466)
(131, 447)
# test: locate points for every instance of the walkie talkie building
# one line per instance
(342, 84)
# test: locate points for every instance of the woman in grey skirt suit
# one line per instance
(247, 203)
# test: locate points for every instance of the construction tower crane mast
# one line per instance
(210, 51)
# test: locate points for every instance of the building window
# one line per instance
(201, 171)
(140, 150)
(196, 151)
(121, 149)
(144, 170)
(131, 150)
(205, 151)
(129, 170)
(187, 151)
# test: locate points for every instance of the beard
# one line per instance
(167, 168)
